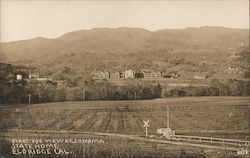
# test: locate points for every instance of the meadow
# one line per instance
(225, 117)
(112, 147)
(222, 117)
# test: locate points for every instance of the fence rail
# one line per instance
(203, 142)
(210, 140)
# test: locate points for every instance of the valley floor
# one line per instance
(222, 117)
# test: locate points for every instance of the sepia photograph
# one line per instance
(124, 79)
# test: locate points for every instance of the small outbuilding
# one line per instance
(166, 132)
(19, 77)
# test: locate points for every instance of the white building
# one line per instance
(33, 76)
(19, 77)
(166, 132)
(129, 74)
(200, 77)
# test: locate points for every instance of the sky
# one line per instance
(25, 19)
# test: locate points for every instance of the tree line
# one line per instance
(131, 91)
(230, 87)
(13, 91)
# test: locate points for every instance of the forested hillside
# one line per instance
(204, 49)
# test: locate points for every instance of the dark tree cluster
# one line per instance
(132, 91)
(23, 91)
(215, 88)
(12, 91)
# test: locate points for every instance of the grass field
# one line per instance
(224, 117)
(114, 147)
(190, 115)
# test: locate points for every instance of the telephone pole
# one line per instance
(29, 98)
(83, 95)
(168, 122)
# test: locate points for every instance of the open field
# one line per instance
(162, 102)
(111, 146)
(206, 116)
(220, 117)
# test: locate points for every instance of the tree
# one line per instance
(235, 88)
(215, 83)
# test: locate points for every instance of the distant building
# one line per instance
(147, 74)
(171, 75)
(166, 132)
(232, 70)
(33, 76)
(178, 84)
(129, 74)
(19, 77)
(200, 76)
(104, 75)
(152, 74)
(37, 78)
(115, 75)
(44, 79)
(98, 75)
(157, 74)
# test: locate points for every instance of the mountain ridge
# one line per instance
(120, 48)
(118, 28)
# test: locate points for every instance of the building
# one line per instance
(200, 76)
(232, 70)
(99, 75)
(44, 79)
(19, 77)
(129, 74)
(104, 75)
(151, 74)
(115, 75)
(37, 78)
(33, 76)
(147, 74)
(157, 74)
(166, 132)
(172, 74)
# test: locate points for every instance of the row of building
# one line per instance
(33, 77)
(131, 74)
(233, 70)
(128, 74)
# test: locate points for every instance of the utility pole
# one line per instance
(29, 98)
(168, 124)
(83, 95)
(39, 97)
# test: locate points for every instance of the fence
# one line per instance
(211, 140)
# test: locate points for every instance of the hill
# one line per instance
(185, 50)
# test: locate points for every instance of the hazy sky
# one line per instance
(24, 19)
